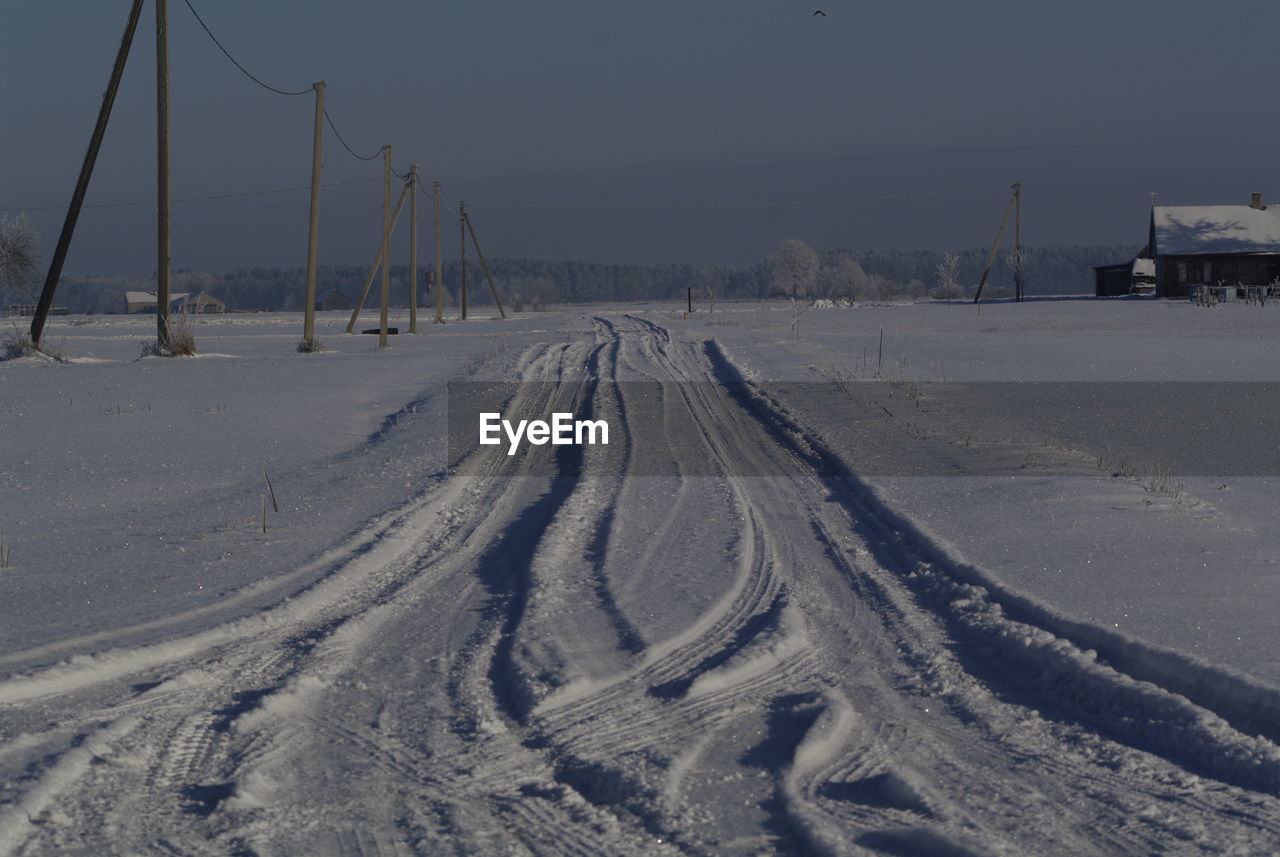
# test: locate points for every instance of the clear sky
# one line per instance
(647, 132)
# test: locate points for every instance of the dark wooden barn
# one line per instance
(1229, 245)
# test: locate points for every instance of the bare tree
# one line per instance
(949, 277)
(793, 268)
(19, 241)
(1021, 260)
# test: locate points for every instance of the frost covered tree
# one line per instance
(188, 280)
(1023, 258)
(793, 268)
(843, 280)
(948, 272)
(18, 258)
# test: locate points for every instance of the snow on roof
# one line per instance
(1144, 267)
(1201, 229)
(150, 297)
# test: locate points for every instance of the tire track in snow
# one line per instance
(255, 655)
(878, 591)
(819, 695)
(971, 609)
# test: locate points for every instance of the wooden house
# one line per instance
(1211, 245)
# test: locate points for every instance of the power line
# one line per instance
(748, 203)
(247, 74)
(236, 63)
(445, 200)
(194, 198)
(499, 204)
(352, 152)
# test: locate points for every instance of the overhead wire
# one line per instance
(747, 203)
(264, 85)
(500, 204)
(350, 150)
(236, 62)
(497, 204)
(193, 198)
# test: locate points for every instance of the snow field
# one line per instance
(570, 664)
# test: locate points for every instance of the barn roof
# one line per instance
(1189, 230)
(150, 297)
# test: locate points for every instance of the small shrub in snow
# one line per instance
(312, 346)
(182, 340)
(182, 337)
(1165, 484)
(18, 343)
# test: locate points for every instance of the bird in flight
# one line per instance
(820, 12)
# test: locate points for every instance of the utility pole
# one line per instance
(377, 260)
(82, 183)
(1017, 242)
(996, 246)
(386, 245)
(162, 172)
(462, 257)
(484, 266)
(313, 235)
(439, 280)
(413, 249)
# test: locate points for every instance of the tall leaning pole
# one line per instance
(162, 173)
(439, 280)
(86, 172)
(313, 234)
(385, 289)
(413, 248)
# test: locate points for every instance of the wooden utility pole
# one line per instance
(386, 246)
(484, 265)
(162, 172)
(996, 246)
(82, 183)
(413, 248)
(438, 279)
(373, 269)
(462, 257)
(1017, 242)
(313, 235)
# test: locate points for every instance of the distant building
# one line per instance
(187, 302)
(335, 300)
(202, 303)
(139, 301)
(18, 310)
(1235, 245)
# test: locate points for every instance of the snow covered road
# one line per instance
(563, 662)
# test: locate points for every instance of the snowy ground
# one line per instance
(1071, 653)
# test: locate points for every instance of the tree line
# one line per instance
(792, 269)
